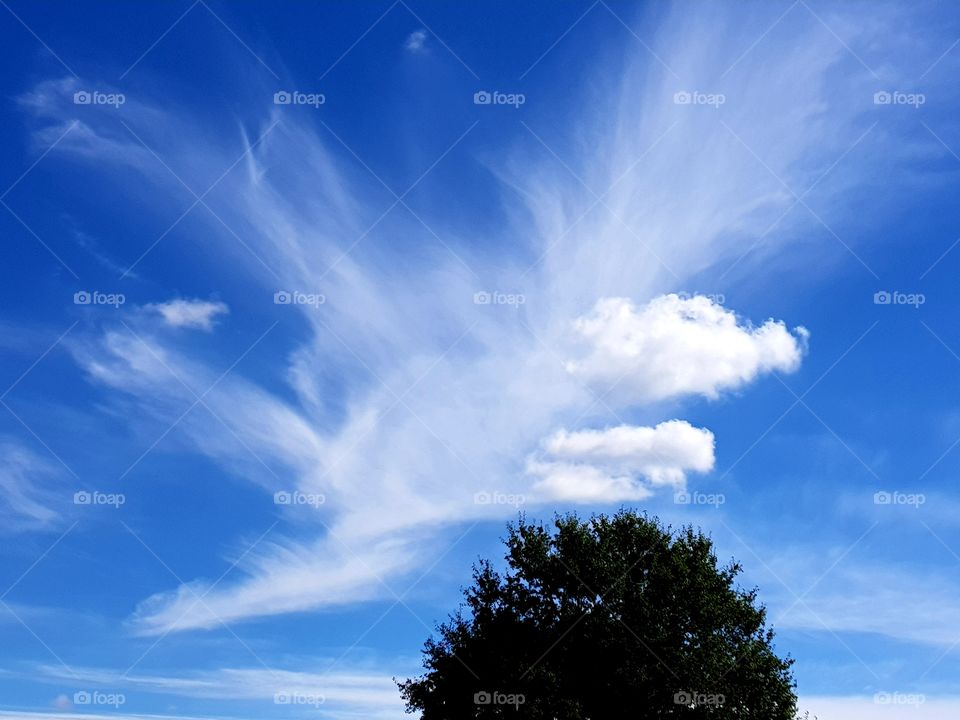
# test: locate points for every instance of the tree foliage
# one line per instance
(607, 618)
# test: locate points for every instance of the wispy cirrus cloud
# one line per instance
(27, 501)
(407, 397)
(891, 704)
(339, 691)
(884, 599)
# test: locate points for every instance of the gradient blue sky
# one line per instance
(687, 300)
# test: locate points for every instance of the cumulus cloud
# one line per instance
(584, 484)
(611, 465)
(675, 346)
(199, 314)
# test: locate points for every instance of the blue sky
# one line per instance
(302, 304)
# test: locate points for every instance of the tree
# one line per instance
(615, 617)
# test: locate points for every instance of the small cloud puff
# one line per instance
(416, 41)
(199, 314)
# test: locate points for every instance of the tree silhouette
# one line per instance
(612, 617)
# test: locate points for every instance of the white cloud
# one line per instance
(342, 690)
(253, 432)
(902, 704)
(675, 346)
(416, 41)
(26, 495)
(282, 577)
(893, 600)
(407, 398)
(60, 715)
(583, 484)
(199, 314)
(608, 465)
(862, 707)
